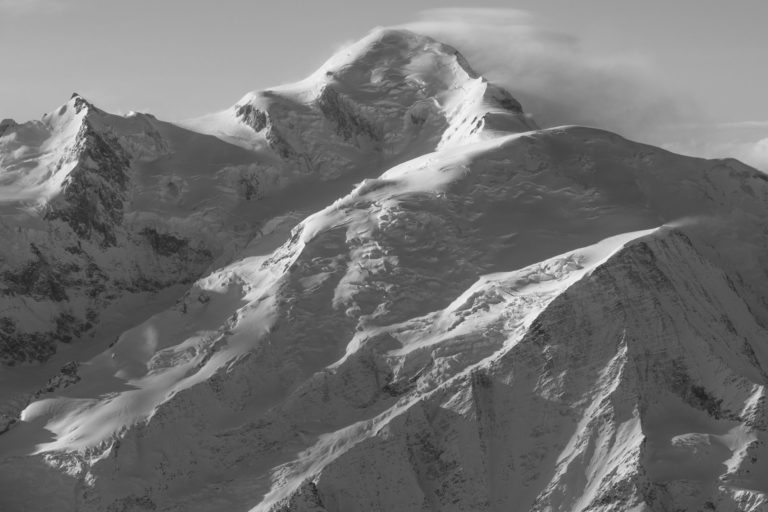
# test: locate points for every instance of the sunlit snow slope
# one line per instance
(496, 317)
(97, 207)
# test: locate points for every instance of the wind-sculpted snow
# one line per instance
(392, 96)
(364, 363)
(98, 207)
(494, 318)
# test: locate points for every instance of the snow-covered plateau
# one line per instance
(382, 288)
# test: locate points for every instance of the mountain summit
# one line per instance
(380, 288)
(174, 198)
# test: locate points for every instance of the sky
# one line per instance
(685, 74)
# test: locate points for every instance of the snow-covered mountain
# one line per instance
(97, 207)
(496, 317)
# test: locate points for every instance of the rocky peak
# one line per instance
(79, 103)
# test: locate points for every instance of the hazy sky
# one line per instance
(182, 58)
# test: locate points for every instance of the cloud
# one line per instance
(754, 154)
(478, 16)
(746, 141)
(559, 82)
(552, 76)
(745, 124)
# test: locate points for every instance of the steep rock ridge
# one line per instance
(93, 194)
(358, 360)
(83, 188)
(68, 252)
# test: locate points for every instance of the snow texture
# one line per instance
(495, 317)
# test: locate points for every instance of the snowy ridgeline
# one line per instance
(496, 317)
(98, 207)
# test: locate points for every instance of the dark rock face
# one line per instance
(505, 100)
(38, 279)
(92, 202)
(280, 144)
(252, 116)
(16, 347)
(42, 281)
(165, 244)
(345, 116)
(5, 125)
(80, 103)
(259, 120)
(66, 263)
(67, 376)
(91, 208)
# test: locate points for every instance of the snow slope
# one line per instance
(89, 196)
(495, 318)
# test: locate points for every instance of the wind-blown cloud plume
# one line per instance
(747, 141)
(558, 82)
(550, 74)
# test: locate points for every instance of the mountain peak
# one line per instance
(496, 317)
(422, 92)
(79, 103)
(388, 50)
(72, 111)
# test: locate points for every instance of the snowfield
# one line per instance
(380, 288)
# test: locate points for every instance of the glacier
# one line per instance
(381, 288)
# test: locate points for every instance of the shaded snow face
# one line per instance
(82, 188)
(495, 317)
